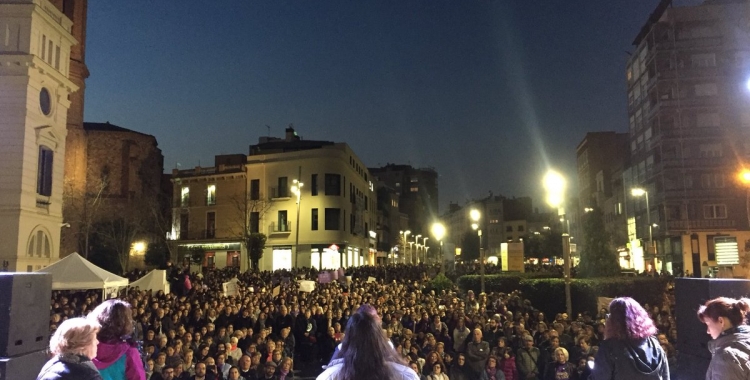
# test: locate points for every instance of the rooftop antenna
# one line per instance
(269, 130)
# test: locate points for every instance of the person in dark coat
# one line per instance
(629, 350)
(725, 319)
(73, 345)
(560, 368)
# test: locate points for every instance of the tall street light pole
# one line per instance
(424, 249)
(416, 244)
(297, 190)
(404, 236)
(554, 185)
(745, 179)
(475, 215)
(438, 231)
(639, 192)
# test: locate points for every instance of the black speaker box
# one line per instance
(692, 338)
(24, 312)
(23, 367)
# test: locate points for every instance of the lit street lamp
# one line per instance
(640, 192)
(297, 190)
(554, 185)
(745, 180)
(415, 258)
(475, 216)
(438, 231)
(404, 235)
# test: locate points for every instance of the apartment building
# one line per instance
(331, 223)
(688, 131)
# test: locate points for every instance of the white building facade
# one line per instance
(35, 42)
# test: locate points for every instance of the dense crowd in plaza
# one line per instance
(196, 332)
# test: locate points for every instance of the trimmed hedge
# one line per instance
(548, 294)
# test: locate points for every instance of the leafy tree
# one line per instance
(597, 257)
(255, 243)
(470, 246)
(548, 243)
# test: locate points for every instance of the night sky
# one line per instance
(487, 92)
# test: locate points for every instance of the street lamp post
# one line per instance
(638, 192)
(404, 235)
(745, 179)
(438, 231)
(475, 216)
(297, 190)
(415, 258)
(424, 249)
(554, 184)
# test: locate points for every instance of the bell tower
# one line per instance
(35, 63)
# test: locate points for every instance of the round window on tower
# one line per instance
(45, 101)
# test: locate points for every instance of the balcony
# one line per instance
(279, 229)
(706, 224)
(277, 193)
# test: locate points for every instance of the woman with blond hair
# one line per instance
(73, 345)
(726, 322)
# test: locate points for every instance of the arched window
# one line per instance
(39, 244)
(44, 171)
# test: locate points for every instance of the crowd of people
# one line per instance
(269, 327)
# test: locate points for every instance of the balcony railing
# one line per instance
(705, 224)
(276, 228)
(280, 193)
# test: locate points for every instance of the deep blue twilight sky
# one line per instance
(488, 92)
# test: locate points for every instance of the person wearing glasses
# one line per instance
(726, 322)
(630, 350)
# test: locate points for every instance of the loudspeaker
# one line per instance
(24, 312)
(692, 338)
(23, 367)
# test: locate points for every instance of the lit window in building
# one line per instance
(414, 189)
(211, 195)
(185, 196)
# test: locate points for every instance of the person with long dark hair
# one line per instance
(117, 355)
(365, 353)
(726, 322)
(629, 350)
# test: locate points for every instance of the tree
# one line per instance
(597, 257)
(547, 243)
(247, 222)
(255, 243)
(118, 235)
(470, 246)
(157, 254)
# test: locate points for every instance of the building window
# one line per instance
(509, 229)
(282, 221)
(254, 222)
(44, 171)
(254, 189)
(283, 190)
(711, 150)
(703, 60)
(706, 89)
(314, 185)
(715, 211)
(520, 228)
(414, 189)
(367, 201)
(211, 195)
(39, 245)
(184, 226)
(314, 219)
(210, 225)
(185, 197)
(333, 219)
(333, 184)
(712, 180)
(414, 179)
(352, 222)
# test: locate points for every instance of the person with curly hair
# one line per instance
(629, 350)
(726, 322)
(73, 345)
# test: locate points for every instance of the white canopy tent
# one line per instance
(155, 280)
(75, 272)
